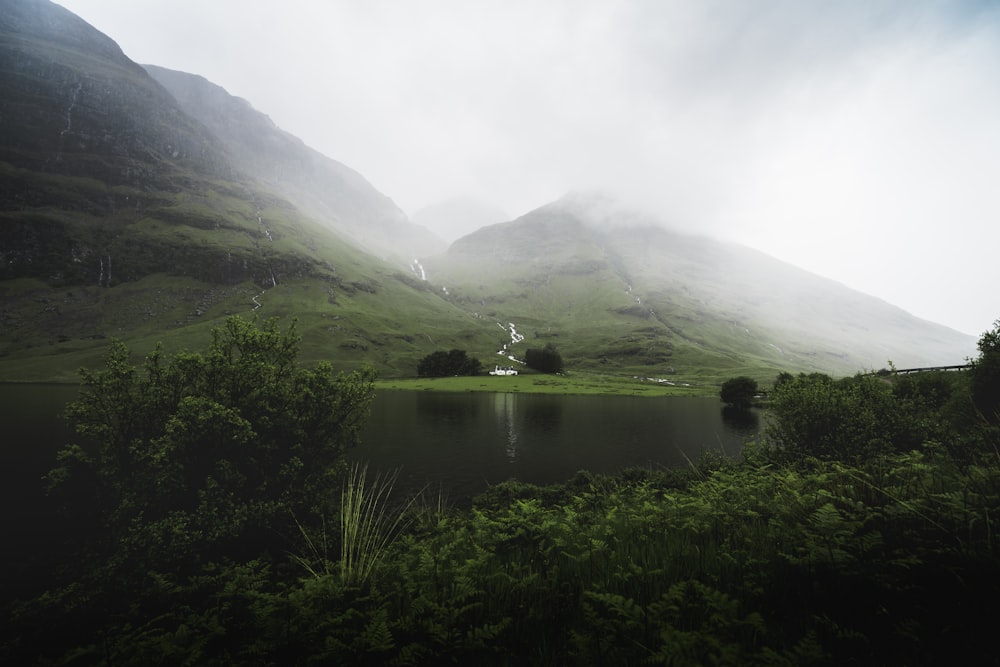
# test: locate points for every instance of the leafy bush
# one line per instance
(446, 364)
(182, 470)
(847, 420)
(738, 391)
(986, 375)
(546, 360)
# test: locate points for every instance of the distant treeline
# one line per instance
(447, 364)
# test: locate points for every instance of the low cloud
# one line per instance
(833, 135)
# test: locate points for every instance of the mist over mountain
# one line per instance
(149, 204)
(613, 285)
(457, 217)
(327, 190)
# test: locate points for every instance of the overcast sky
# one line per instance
(859, 140)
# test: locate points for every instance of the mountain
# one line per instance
(121, 214)
(612, 288)
(148, 205)
(457, 217)
(327, 190)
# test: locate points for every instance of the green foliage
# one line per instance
(546, 360)
(368, 525)
(784, 377)
(738, 391)
(849, 420)
(858, 541)
(882, 562)
(986, 375)
(194, 461)
(225, 442)
(445, 364)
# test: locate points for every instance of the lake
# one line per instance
(459, 443)
(462, 443)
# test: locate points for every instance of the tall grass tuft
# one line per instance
(319, 546)
(368, 523)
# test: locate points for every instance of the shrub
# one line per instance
(986, 375)
(847, 420)
(738, 391)
(446, 364)
(199, 458)
(546, 360)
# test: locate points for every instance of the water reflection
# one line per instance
(438, 407)
(505, 410)
(744, 422)
(543, 414)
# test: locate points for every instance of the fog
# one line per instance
(856, 140)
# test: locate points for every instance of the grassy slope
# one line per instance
(568, 292)
(640, 300)
(133, 222)
(182, 262)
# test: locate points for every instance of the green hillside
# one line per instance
(187, 260)
(122, 216)
(614, 290)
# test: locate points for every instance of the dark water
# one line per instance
(458, 443)
(464, 442)
(32, 432)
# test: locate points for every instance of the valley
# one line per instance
(223, 444)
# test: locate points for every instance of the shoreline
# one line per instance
(572, 384)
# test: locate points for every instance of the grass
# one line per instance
(580, 383)
(186, 260)
(368, 524)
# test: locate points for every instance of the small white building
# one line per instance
(506, 370)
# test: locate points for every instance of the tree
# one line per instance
(546, 360)
(985, 371)
(445, 364)
(784, 377)
(203, 457)
(738, 391)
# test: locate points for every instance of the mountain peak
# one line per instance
(602, 210)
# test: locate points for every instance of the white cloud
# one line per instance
(858, 140)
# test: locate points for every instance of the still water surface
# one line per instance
(464, 442)
(460, 442)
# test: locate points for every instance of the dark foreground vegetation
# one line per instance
(208, 520)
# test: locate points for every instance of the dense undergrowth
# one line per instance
(876, 544)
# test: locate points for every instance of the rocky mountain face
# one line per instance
(73, 104)
(121, 214)
(614, 287)
(94, 153)
(327, 190)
